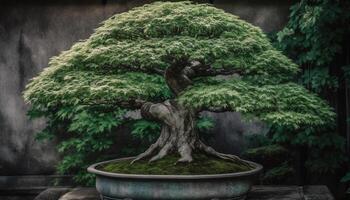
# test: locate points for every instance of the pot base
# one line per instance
(232, 186)
(233, 198)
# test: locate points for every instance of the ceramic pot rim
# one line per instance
(92, 169)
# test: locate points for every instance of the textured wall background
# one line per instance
(31, 33)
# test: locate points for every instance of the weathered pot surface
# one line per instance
(115, 186)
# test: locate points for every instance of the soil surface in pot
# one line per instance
(201, 164)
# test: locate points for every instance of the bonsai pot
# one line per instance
(115, 186)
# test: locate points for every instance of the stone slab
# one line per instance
(315, 192)
(276, 193)
(31, 185)
(81, 194)
(52, 193)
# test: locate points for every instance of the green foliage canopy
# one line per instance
(121, 62)
(315, 37)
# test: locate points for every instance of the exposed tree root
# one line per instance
(147, 153)
(178, 134)
(163, 152)
(210, 151)
(185, 152)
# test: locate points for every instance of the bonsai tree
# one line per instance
(171, 61)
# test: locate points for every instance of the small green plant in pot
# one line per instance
(171, 61)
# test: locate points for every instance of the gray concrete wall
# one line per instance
(32, 33)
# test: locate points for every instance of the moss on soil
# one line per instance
(202, 164)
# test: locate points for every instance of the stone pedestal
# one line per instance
(314, 192)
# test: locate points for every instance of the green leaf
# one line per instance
(346, 178)
(146, 130)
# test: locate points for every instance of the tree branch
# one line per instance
(213, 109)
(139, 69)
(131, 104)
(217, 110)
(176, 78)
(198, 70)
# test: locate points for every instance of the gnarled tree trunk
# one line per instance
(178, 133)
(178, 123)
(178, 130)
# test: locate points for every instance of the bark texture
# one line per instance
(178, 134)
(178, 131)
